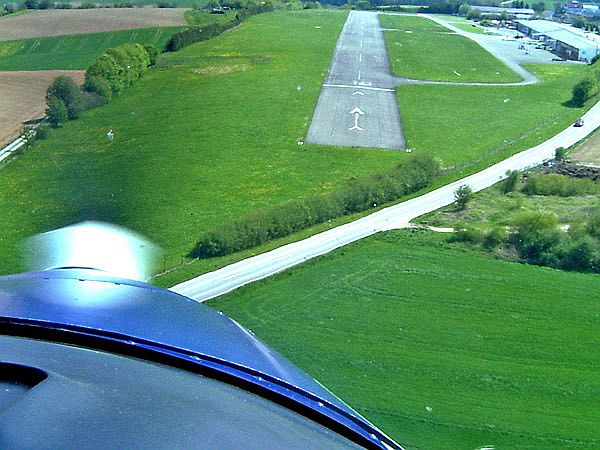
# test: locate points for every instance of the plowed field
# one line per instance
(61, 22)
(22, 98)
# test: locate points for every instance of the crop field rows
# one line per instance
(59, 22)
(74, 51)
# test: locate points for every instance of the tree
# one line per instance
(538, 7)
(66, 90)
(584, 90)
(99, 86)
(560, 154)
(579, 22)
(462, 196)
(474, 14)
(510, 184)
(107, 67)
(56, 112)
(464, 9)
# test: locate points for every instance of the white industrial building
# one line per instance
(565, 41)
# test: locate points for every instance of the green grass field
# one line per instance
(421, 49)
(478, 123)
(209, 136)
(212, 134)
(76, 51)
(441, 348)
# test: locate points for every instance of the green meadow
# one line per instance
(475, 124)
(210, 135)
(441, 348)
(421, 49)
(74, 52)
(214, 132)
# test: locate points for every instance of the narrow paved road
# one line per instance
(357, 106)
(231, 277)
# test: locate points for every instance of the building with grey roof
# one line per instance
(563, 40)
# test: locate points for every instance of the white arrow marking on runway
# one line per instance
(357, 113)
(358, 93)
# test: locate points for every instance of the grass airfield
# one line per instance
(213, 132)
(421, 49)
(440, 347)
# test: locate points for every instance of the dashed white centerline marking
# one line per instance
(360, 58)
(366, 88)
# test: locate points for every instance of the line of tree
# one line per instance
(113, 71)
(11, 8)
(356, 195)
(192, 35)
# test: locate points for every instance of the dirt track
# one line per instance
(79, 21)
(22, 98)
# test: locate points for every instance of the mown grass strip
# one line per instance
(421, 49)
(439, 347)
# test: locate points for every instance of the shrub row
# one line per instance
(192, 35)
(536, 238)
(110, 73)
(118, 68)
(561, 185)
(357, 195)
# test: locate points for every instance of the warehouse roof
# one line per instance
(566, 34)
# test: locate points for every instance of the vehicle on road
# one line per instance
(578, 122)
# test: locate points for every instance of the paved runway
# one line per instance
(357, 106)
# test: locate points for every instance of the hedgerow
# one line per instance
(192, 35)
(356, 195)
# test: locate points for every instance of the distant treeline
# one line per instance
(10, 8)
(356, 195)
(192, 35)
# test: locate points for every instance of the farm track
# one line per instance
(65, 22)
(23, 98)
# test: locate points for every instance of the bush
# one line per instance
(561, 185)
(560, 154)
(356, 195)
(495, 237)
(468, 235)
(65, 89)
(99, 86)
(462, 196)
(57, 112)
(535, 234)
(584, 90)
(105, 66)
(152, 52)
(511, 182)
(41, 132)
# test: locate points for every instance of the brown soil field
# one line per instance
(22, 98)
(588, 152)
(58, 22)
